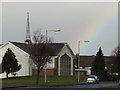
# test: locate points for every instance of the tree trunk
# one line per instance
(38, 75)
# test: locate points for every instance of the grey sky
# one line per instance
(96, 22)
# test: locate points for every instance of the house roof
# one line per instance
(57, 47)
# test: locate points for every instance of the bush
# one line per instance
(113, 77)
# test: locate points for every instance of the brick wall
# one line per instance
(86, 61)
(50, 71)
(56, 67)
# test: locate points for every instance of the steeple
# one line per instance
(28, 40)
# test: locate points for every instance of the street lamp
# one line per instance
(79, 58)
(56, 30)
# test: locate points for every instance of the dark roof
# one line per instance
(86, 61)
(24, 47)
(57, 48)
(87, 57)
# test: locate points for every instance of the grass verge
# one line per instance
(51, 81)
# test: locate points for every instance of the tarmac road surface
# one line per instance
(71, 87)
(101, 84)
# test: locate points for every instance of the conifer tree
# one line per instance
(98, 66)
(10, 63)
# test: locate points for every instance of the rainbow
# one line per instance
(96, 26)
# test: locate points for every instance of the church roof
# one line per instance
(22, 46)
(57, 47)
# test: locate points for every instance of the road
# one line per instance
(101, 84)
(72, 87)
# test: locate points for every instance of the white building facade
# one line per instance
(63, 54)
(21, 56)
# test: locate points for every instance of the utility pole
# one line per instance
(79, 59)
(57, 30)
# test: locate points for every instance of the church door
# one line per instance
(65, 65)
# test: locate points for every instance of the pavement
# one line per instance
(9, 86)
(6, 86)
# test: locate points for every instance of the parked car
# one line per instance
(92, 79)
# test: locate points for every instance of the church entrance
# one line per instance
(65, 65)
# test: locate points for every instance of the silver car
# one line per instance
(93, 79)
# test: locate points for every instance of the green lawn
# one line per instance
(51, 80)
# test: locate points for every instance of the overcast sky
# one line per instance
(78, 21)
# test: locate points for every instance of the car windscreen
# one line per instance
(91, 77)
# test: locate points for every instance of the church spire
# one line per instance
(28, 40)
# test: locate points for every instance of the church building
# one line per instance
(62, 59)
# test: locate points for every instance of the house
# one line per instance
(62, 59)
(86, 63)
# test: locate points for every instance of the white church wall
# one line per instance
(22, 57)
(51, 64)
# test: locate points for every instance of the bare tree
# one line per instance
(116, 65)
(115, 51)
(41, 51)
